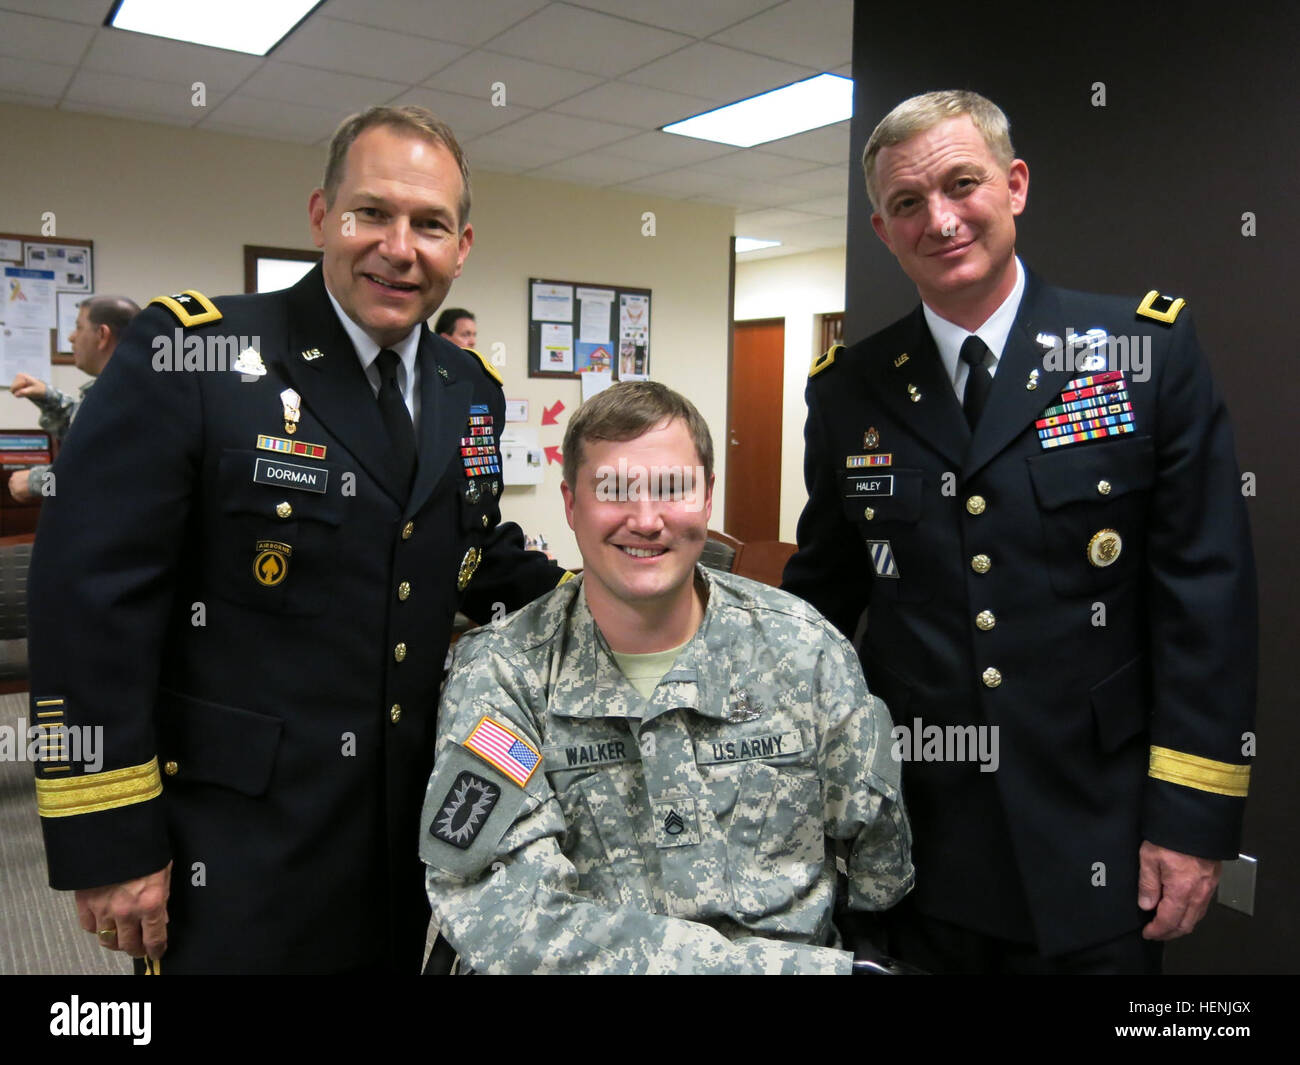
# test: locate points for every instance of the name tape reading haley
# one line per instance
(78, 1018)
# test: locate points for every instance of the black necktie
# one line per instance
(397, 419)
(976, 355)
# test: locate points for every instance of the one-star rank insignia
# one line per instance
(190, 307)
(1161, 308)
(468, 565)
(464, 810)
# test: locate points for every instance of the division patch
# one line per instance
(882, 558)
(465, 810)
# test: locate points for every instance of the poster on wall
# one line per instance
(577, 328)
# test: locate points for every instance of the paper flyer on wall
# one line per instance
(557, 347)
(70, 263)
(593, 310)
(24, 351)
(552, 303)
(29, 299)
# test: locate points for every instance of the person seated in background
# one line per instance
(459, 326)
(654, 767)
(101, 320)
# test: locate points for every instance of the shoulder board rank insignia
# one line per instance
(190, 307)
(1162, 308)
(488, 368)
(824, 360)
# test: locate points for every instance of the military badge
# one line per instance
(271, 562)
(744, 707)
(464, 810)
(871, 439)
(312, 354)
(676, 822)
(1104, 548)
(882, 558)
(250, 363)
(292, 410)
(468, 565)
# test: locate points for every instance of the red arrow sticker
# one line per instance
(553, 455)
(549, 414)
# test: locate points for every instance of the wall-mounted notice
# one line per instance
(580, 328)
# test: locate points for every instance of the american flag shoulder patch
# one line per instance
(498, 746)
(882, 558)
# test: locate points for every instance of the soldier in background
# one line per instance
(101, 320)
(459, 326)
(651, 768)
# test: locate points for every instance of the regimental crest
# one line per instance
(744, 707)
(250, 363)
(464, 810)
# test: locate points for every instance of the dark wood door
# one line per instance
(753, 508)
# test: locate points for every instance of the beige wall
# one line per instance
(172, 208)
(797, 288)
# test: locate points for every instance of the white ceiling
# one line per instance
(586, 86)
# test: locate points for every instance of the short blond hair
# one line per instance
(920, 113)
(628, 410)
(419, 121)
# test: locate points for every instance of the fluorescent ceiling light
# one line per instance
(753, 244)
(772, 115)
(252, 26)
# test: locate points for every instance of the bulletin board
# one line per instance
(25, 259)
(575, 326)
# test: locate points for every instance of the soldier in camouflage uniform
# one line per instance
(653, 768)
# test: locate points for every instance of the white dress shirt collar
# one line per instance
(948, 337)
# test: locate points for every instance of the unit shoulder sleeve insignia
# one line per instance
(190, 307)
(824, 360)
(1161, 308)
(488, 368)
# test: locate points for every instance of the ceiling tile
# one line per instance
(638, 105)
(88, 12)
(814, 33)
(823, 233)
(317, 88)
(446, 20)
(669, 149)
(99, 107)
(826, 205)
(297, 122)
(576, 134)
(756, 223)
(829, 144)
(683, 16)
(586, 40)
(824, 181)
(23, 36)
(531, 84)
(354, 49)
(595, 168)
(120, 52)
(681, 184)
(506, 147)
(752, 163)
(723, 75)
(765, 194)
(29, 100)
(468, 116)
(138, 96)
(33, 78)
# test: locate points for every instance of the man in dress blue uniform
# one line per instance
(271, 510)
(1034, 491)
